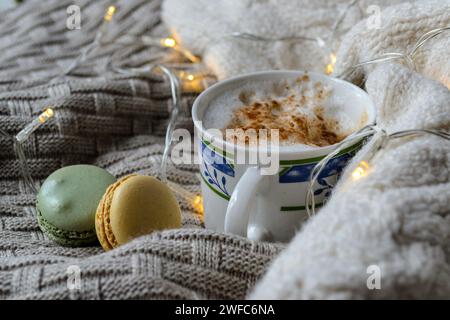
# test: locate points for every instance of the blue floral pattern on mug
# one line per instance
(214, 180)
(217, 160)
(301, 173)
(216, 168)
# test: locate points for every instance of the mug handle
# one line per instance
(240, 205)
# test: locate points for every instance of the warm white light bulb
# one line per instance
(197, 203)
(47, 114)
(361, 170)
(168, 42)
(109, 13)
(330, 67)
(25, 133)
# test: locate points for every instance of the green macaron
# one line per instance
(67, 202)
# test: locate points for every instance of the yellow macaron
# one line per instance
(134, 206)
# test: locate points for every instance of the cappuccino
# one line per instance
(305, 112)
(243, 198)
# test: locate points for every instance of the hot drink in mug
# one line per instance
(259, 137)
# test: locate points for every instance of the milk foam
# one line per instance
(221, 108)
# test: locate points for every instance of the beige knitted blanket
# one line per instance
(115, 122)
(397, 220)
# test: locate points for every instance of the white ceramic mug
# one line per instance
(237, 198)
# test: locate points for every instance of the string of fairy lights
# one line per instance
(190, 82)
(19, 139)
(193, 77)
(408, 58)
(379, 137)
(362, 167)
(325, 42)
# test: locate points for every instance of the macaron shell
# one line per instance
(102, 220)
(69, 197)
(140, 205)
(66, 238)
(99, 224)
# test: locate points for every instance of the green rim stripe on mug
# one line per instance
(298, 208)
(210, 146)
(214, 190)
(285, 163)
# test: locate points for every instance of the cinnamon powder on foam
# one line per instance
(298, 117)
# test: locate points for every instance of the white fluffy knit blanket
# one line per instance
(206, 28)
(396, 220)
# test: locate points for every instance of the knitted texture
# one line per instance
(118, 123)
(397, 219)
(206, 27)
(400, 29)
